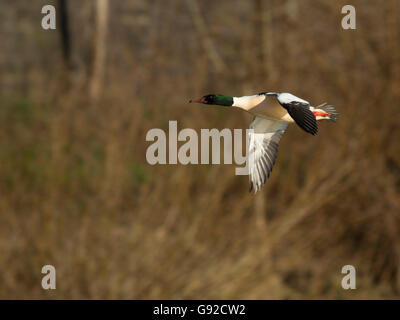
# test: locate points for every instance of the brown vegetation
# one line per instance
(76, 190)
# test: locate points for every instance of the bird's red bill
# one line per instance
(200, 100)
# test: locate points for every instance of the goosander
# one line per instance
(273, 112)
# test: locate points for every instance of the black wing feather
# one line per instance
(302, 115)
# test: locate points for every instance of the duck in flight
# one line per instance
(273, 112)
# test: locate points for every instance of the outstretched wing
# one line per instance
(299, 110)
(263, 148)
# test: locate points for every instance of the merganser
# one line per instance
(273, 112)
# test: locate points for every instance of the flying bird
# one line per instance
(273, 113)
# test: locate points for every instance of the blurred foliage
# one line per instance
(76, 190)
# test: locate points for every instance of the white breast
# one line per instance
(248, 102)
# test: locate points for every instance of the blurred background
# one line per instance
(76, 191)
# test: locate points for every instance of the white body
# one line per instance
(268, 107)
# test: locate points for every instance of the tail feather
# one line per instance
(333, 114)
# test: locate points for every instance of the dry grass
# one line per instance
(76, 191)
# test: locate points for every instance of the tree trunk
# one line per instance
(263, 39)
(64, 32)
(97, 79)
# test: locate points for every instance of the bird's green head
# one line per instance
(215, 99)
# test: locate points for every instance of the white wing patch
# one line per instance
(288, 98)
(263, 149)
